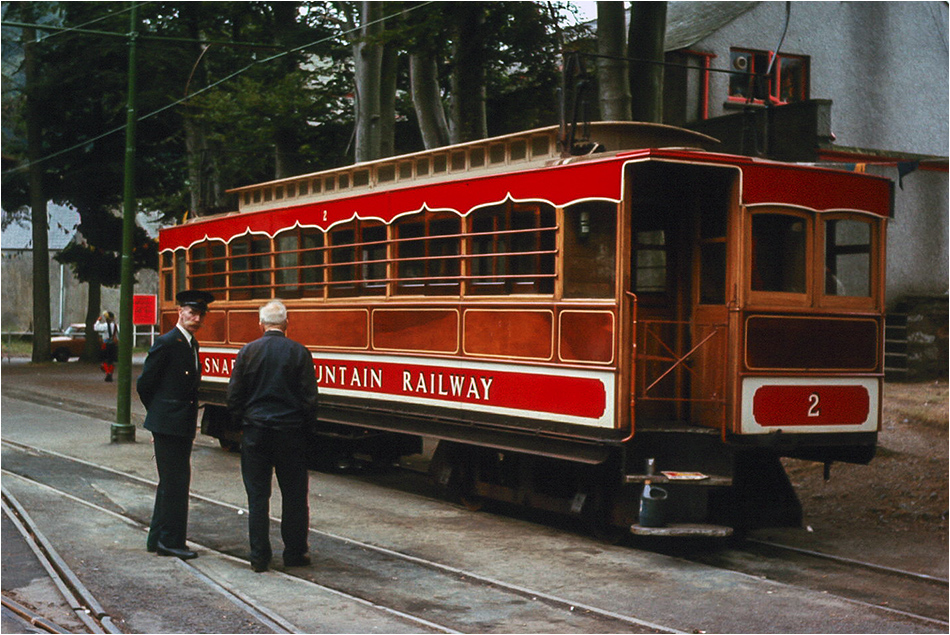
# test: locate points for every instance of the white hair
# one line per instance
(274, 313)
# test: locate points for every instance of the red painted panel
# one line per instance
(819, 189)
(557, 185)
(587, 337)
(243, 326)
(823, 405)
(509, 334)
(556, 394)
(214, 328)
(169, 320)
(416, 330)
(330, 328)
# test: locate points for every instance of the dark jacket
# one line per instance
(273, 384)
(168, 386)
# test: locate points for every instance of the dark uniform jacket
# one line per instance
(168, 386)
(273, 384)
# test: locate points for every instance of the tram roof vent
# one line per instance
(515, 151)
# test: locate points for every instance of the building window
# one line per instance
(751, 80)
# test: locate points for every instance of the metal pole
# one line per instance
(122, 429)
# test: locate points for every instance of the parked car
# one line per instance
(70, 344)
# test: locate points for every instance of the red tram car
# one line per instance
(568, 328)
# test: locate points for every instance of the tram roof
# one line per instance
(505, 153)
(595, 177)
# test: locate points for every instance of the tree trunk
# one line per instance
(612, 73)
(368, 60)
(427, 100)
(41, 305)
(645, 45)
(90, 352)
(468, 114)
(387, 101)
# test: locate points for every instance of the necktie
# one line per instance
(194, 347)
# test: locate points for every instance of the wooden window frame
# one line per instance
(774, 80)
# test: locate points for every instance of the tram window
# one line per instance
(651, 262)
(422, 167)
(287, 263)
(250, 268)
(512, 250)
(439, 164)
(590, 250)
(778, 253)
(373, 258)
(519, 150)
(311, 262)
(410, 253)
(489, 248)
(428, 264)
(539, 146)
(476, 157)
(208, 266)
(180, 268)
(342, 263)
(405, 171)
(848, 258)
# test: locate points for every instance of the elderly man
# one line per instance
(168, 387)
(273, 393)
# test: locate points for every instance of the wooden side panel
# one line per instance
(214, 330)
(509, 333)
(586, 336)
(416, 330)
(330, 328)
(168, 321)
(243, 327)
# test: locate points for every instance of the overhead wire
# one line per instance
(213, 85)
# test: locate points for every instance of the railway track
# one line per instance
(76, 596)
(368, 573)
(492, 597)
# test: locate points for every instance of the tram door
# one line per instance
(679, 256)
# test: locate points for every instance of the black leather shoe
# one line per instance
(299, 561)
(184, 554)
(260, 566)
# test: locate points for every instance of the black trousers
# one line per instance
(264, 452)
(170, 517)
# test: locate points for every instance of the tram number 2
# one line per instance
(814, 405)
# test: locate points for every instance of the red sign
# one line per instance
(556, 394)
(822, 405)
(144, 310)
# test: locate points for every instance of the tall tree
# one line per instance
(645, 49)
(468, 118)
(612, 75)
(41, 305)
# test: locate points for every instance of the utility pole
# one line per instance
(123, 430)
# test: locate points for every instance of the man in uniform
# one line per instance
(273, 393)
(168, 386)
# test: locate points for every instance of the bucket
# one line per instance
(651, 506)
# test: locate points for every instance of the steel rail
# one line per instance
(80, 600)
(856, 563)
(461, 573)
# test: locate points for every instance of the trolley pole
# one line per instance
(123, 431)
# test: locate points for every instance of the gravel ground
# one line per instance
(896, 508)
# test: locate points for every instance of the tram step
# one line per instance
(683, 530)
(683, 478)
